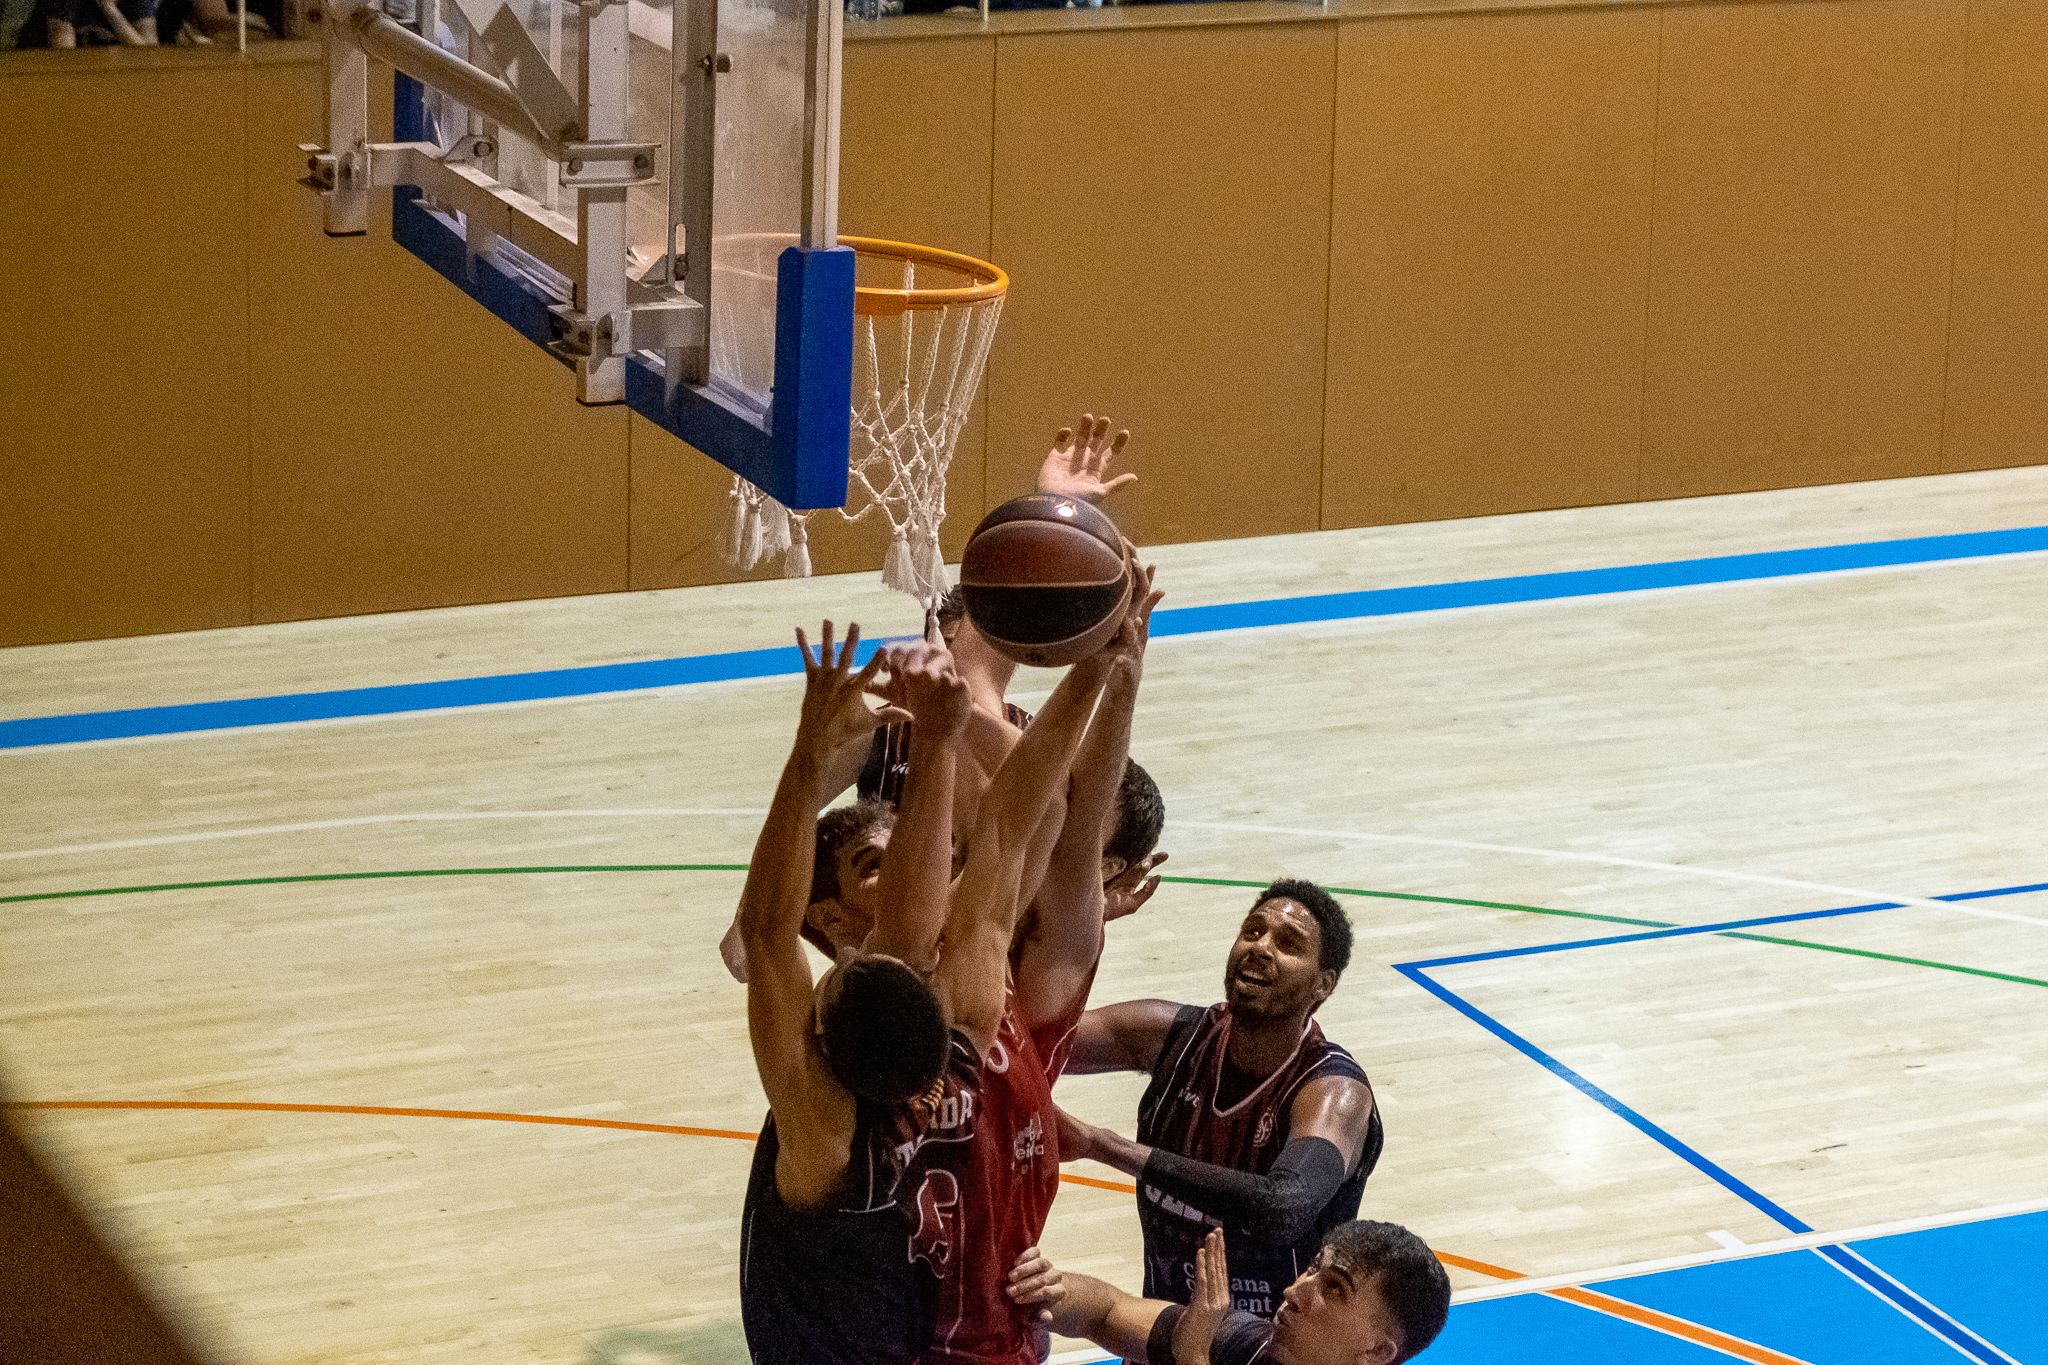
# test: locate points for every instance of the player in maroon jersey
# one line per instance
(985, 1182)
(1254, 1121)
(875, 764)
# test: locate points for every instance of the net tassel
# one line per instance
(796, 562)
(774, 528)
(899, 570)
(932, 569)
(750, 537)
(735, 527)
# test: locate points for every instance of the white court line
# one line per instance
(1906, 1292)
(357, 821)
(1538, 1284)
(1609, 860)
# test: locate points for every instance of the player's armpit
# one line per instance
(1122, 1037)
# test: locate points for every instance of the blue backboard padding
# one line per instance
(1988, 1275)
(1793, 1302)
(1531, 1329)
(800, 457)
(507, 297)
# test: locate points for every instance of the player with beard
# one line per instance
(1254, 1121)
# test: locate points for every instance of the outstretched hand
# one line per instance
(1079, 459)
(1196, 1330)
(1125, 894)
(923, 682)
(835, 710)
(1126, 648)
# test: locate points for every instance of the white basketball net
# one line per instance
(915, 374)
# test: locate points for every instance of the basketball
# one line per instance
(1044, 579)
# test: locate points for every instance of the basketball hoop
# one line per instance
(924, 320)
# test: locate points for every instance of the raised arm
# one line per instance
(814, 1116)
(1057, 961)
(973, 966)
(917, 870)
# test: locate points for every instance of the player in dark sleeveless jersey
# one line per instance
(1254, 1121)
(1373, 1294)
(845, 1063)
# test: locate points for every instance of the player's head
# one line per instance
(1140, 818)
(951, 611)
(848, 865)
(880, 1028)
(1289, 953)
(1374, 1295)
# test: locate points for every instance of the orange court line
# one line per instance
(1584, 1298)
(250, 1107)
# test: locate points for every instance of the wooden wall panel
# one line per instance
(1800, 263)
(1998, 334)
(124, 438)
(1167, 267)
(924, 179)
(411, 450)
(1489, 264)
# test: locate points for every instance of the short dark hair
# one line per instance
(838, 827)
(1410, 1277)
(951, 610)
(1333, 925)
(883, 1033)
(1140, 815)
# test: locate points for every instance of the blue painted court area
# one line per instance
(1981, 1275)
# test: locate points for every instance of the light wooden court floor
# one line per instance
(503, 912)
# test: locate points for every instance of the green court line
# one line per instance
(1434, 900)
(371, 876)
(1892, 957)
(1185, 881)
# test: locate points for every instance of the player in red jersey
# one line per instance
(985, 1181)
(875, 764)
(1254, 1121)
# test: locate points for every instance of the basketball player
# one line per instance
(821, 1275)
(986, 1171)
(1373, 1294)
(1077, 467)
(1254, 1121)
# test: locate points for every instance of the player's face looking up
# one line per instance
(1275, 966)
(1333, 1316)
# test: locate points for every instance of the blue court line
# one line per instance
(553, 684)
(1723, 927)
(1893, 1292)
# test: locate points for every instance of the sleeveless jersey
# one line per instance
(831, 1286)
(983, 1177)
(1180, 1114)
(888, 760)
